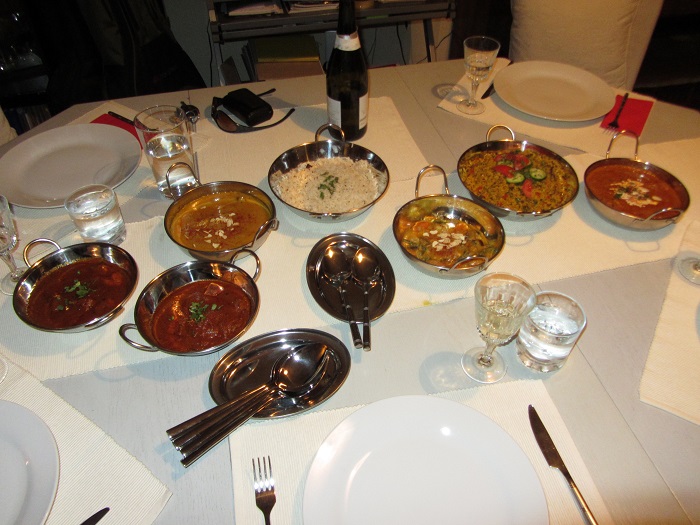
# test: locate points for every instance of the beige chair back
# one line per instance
(606, 37)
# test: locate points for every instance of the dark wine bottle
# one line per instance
(347, 85)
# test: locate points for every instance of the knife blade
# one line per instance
(489, 90)
(550, 453)
(96, 517)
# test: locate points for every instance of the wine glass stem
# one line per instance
(485, 358)
(15, 273)
(472, 93)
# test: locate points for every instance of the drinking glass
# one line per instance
(480, 53)
(8, 241)
(502, 301)
(689, 267)
(166, 140)
(550, 331)
(94, 209)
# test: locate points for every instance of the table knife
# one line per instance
(489, 90)
(550, 453)
(96, 517)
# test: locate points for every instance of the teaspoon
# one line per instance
(366, 270)
(337, 268)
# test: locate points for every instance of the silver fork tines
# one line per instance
(264, 485)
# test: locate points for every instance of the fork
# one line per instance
(264, 485)
(614, 124)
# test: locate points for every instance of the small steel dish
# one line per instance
(326, 149)
(640, 172)
(567, 186)
(454, 209)
(380, 296)
(251, 364)
(62, 257)
(221, 189)
(178, 276)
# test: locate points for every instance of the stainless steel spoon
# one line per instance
(337, 268)
(294, 374)
(365, 268)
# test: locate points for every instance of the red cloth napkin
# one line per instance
(113, 121)
(633, 117)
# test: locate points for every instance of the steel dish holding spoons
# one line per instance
(294, 374)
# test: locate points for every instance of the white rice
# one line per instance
(332, 185)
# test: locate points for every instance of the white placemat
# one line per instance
(505, 403)
(671, 377)
(95, 472)
(585, 136)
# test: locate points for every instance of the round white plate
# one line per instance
(43, 170)
(554, 91)
(28, 466)
(417, 459)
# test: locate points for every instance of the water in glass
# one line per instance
(550, 331)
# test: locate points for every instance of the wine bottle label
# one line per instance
(347, 42)
(334, 112)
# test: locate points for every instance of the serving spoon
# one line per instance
(294, 374)
(337, 268)
(365, 268)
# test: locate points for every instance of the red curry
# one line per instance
(200, 315)
(77, 293)
(633, 191)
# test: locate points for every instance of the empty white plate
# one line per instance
(554, 91)
(419, 459)
(28, 466)
(44, 169)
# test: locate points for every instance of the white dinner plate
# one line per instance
(416, 460)
(28, 466)
(554, 91)
(43, 170)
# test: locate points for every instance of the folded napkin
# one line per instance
(505, 403)
(671, 377)
(94, 472)
(585, 135)
(106, 118)
(633, 116)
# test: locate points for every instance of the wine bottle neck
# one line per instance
(346, 17)
(347, 42)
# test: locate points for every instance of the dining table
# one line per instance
(614, 417)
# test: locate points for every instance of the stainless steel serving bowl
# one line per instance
(566, 187)
(178, 276)
(62, 257)
(220, 190)
(326, 149)
(453, 209)
(637, 219)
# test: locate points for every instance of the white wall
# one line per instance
(190, 22)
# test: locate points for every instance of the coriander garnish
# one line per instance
(80, 289)
(328, 185)
(198, 311)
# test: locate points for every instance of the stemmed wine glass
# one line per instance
(502, 301)
(8, 240)
(689, 267)
(480, 53)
